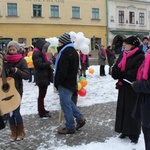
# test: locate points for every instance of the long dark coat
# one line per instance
(142, 109)
(42, 69)
(126, 95)
(110, 57)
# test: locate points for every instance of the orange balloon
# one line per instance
(83, 83)
(91, 70)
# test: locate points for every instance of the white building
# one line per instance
(126, 18)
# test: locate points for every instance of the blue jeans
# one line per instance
(68, 107)
(16, 118)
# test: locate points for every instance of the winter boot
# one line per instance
(20, 132)
(80, 123)
(13, 135)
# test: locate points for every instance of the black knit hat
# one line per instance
(132, 40)
(65, 38)
(40, 43)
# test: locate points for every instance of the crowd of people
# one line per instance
(131, 70)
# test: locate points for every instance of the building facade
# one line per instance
(126, 18)
(27, 20)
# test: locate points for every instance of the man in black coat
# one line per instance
(65, 80)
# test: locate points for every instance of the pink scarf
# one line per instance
(45, 54)
(144, 68)
(83, 56)
(104, 52)
(122, 63)
(13, 58)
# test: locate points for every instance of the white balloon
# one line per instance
(72, 35)
(76, 45)
(84, 49)
(80, 33)
(53, 41)
(79, 39)
(87, 41)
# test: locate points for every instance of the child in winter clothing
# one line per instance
(84, 62)
(16, 67)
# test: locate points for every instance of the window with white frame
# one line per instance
(12, 9)
(95, 13)
(75, 12)
(121, 16)
(141, 18)
(37, 10)
(54, 11)
(132, 17)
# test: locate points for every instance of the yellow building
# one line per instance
(27, 20)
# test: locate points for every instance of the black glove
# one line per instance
(12, 70)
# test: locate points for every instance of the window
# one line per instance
(95, 13)
(54, 11)
(121, 16)
(22, 40)
(131, 17)
(37, 11)
(11, 9)
(75, 12)
(4, 42)
(141, 18)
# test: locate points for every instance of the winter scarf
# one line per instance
(122, 63)
(83, 57)
(13, 58)
(59, 54)
(104, 52)
(143, 70)
(45, 55)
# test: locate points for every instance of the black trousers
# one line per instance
(146, 132)
(41, 96)
(102, 70)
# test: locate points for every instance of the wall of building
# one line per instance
(27, 26)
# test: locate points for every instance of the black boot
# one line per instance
(134, 138)
(122, 136)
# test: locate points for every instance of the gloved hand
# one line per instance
(12, 70)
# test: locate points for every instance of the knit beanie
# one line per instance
(40, 43)
(65, 38)
(132, 40)
(15, 44)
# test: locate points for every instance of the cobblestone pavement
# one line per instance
(42, 134)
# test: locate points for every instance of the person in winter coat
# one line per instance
(110, 57)
(30, 63)
(143, 46)
(102, 60)
(42, 67)
(84, 62)
(142, 108)
(126, 67)
(16, 67)
(65, 80)
(1, 62)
